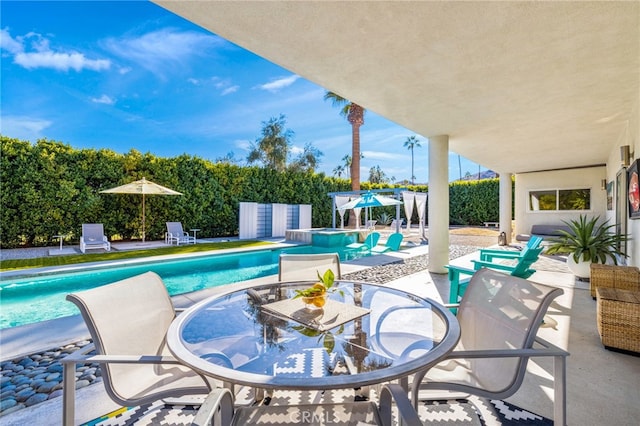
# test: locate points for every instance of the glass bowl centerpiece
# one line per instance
(315, 297)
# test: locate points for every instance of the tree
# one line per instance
(355, 116)
(410, 143)
(339, 170)
(307, 160)
(272, 149)
(376, 175)
(229, 158)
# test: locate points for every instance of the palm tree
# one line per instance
(338, 170)
(355, 116)
(410, 143)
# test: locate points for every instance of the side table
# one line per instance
(618, 318)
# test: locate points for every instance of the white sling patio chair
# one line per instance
(93, 237)
(128, 321)
(293, 267)
(176, 234)
(499, 318)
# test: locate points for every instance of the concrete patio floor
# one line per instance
(603, 387)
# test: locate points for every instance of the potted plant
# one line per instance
(588, 241)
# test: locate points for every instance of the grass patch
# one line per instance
(42, 262)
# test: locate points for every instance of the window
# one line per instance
(560, 199)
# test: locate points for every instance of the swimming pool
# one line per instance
(29, 300)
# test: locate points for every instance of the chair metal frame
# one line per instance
(175, 233)
(493, 303)
(93, 237)
(219, 409)
(143, 306)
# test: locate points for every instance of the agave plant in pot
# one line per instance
(588, 241)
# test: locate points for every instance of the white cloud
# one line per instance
(225, 86)
(242, 144)
(379, 155)
(104, 99)
(295, 150)
(279, 84)
(23, 127)
(163, 50)
(8, 43)
(229, 90)
(194, 81)
(60, 61)
(33, 51)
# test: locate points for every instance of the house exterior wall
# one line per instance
(583, 178)
(630, 135)
(589, 177)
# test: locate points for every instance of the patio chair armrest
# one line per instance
(550, 350)
(489, 255)
(220, 399)
(394, 392)
(550, 347)
(459, 270)
(82, 356)
(477, 264)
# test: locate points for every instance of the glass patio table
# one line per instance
(263, 337)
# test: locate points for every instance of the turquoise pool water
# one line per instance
(29, 300)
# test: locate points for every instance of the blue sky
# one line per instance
(131, 75)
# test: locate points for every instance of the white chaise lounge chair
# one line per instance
(93, 237)
(175, 234)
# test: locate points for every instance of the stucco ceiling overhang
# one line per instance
(517, 86)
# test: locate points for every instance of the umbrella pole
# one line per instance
(143, 218)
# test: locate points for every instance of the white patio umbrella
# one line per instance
(370, 199)
(143, 187)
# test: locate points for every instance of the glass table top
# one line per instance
(364, 334)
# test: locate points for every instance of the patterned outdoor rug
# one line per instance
(475, 411)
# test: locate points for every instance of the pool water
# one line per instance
(29, 300)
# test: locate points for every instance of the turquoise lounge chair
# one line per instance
(522, 269)
(369, 242)
(392, 244)
(489, 254)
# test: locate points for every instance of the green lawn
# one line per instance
(8, 265)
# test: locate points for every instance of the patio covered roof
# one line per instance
(517, 86)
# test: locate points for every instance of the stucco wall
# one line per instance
(590, 178)
(630, 135)
(584, 178)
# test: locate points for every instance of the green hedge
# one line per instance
(49, 188)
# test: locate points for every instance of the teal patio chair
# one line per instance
(489, 254)
(369, 242)
(392, 244)
(459, 277)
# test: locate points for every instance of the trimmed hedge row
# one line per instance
(50, 188)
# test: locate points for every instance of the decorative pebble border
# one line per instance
(38, 377)
(30, 380)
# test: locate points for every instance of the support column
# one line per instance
(438, 203)
(506, 203)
